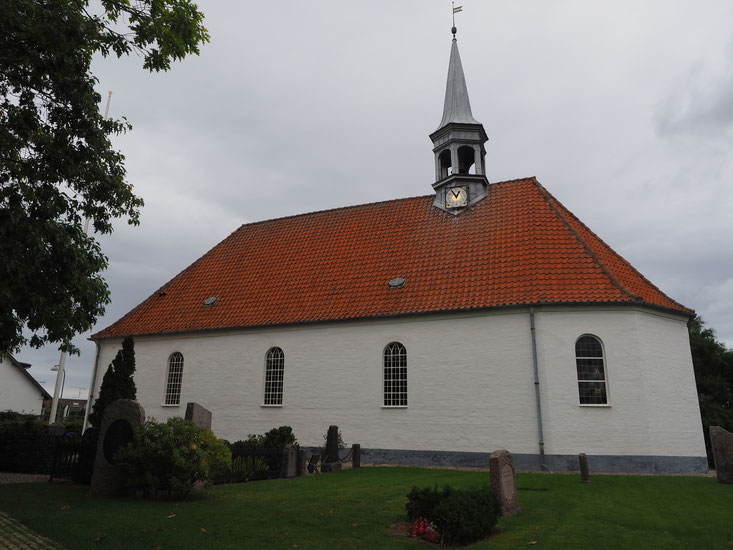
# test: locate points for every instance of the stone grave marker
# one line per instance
(503, 482)
(289, 464)
(584, 472)
(332, 462)
(722, 443)
(302, 468)
(199, 415)
(120, 419)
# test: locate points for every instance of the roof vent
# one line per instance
(397, 282)
(210, 301)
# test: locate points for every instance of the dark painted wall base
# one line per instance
(631, 464)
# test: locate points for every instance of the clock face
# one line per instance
(456, 197)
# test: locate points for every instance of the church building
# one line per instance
(431, 330)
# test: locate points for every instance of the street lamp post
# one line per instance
(58, 391)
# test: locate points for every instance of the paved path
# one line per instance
(16, 536)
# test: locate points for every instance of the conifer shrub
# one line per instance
(170, 457)
(117, 383)
(461, 516)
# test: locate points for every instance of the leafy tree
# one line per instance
(117, 382)
(57, 164)
(713, 364)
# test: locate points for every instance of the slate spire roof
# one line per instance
(457, 107)
(518, 247)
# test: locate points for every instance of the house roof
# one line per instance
(519, 246)
(23, 368)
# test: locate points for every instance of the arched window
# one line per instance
(395, 375)
(445, 164)
(466, 159)
(174, 379)
(274, 374)
(591, 371)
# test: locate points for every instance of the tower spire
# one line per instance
(457, 107)
(458, 143)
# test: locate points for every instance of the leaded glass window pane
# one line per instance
(174, 380)
(395, 375)
(274, 376)
(589, 362)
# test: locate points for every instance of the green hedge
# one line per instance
(461, 516)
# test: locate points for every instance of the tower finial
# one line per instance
(455, 11)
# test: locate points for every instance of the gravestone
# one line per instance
(722, 443)
(332, 462)
(120, 419)
(503, 482)
(289, 466)
(584, 472)
(199, 415)
(302, 468)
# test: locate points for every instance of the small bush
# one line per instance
(461, 516)
(342, 444)
(275, 438)
(171, 457)
(421, 503)
(279, 437)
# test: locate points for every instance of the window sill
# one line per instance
(595, 405)
(394, 406)
(175, 405)
(271, 406)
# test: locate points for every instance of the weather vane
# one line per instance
(455, 11)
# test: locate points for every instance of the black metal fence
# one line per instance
(58, 456)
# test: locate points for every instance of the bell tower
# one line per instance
(458, 145)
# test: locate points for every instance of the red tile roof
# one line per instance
(518, 246)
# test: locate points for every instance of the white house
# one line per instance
(432, 330)
(19, 391)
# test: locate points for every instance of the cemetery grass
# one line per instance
(355, 508)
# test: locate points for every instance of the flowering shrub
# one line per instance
(171, 456)
(423, 529)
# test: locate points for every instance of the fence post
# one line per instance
(356, 455)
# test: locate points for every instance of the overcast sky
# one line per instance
(623, 110)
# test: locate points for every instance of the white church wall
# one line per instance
(470, 382)
(17, 393)
(652, 401)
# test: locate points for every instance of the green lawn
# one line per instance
(354, 508)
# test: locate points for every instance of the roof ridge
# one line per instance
(190, 267)
(619, 256)
(553, 203)
(351, 206)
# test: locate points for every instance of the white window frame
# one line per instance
(394, 374)
(603, 380)
(274, 382)
(174, 380)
